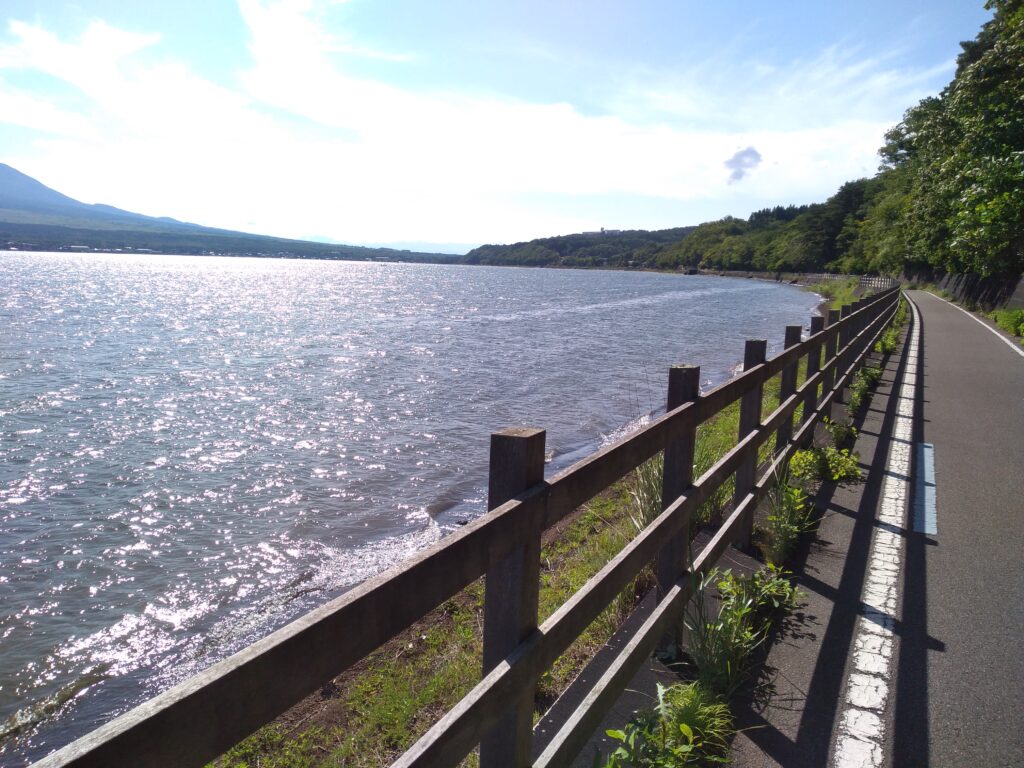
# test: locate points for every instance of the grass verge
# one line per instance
(838, 292)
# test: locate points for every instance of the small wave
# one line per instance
(627, 429)
(32, 715)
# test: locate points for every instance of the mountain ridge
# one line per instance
(34, 216)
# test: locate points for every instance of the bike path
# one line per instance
(960, 676)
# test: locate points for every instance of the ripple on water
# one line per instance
(194, 450)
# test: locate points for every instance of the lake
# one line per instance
(196, 450)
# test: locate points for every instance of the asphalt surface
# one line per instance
(960, 675)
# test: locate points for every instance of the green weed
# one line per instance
(722, 647)
(1010, 320)
(838, 292)
(687, 726)
(865, 380)
(645, 492)
(840, 431)
(814, 465)
(790, 515)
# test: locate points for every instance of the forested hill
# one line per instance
(807, 238)
(635, 248)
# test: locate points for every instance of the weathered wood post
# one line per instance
(754, 354)
(829, 378)
(813, 366)
(683, 387)
(844, 313)
(511, 590)
(858, 324)
(862, 323)
(844, 357)
(787, 385)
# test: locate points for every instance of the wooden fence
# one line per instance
(206, 715)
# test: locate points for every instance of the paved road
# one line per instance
(960, 677)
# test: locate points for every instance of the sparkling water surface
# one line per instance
(195, 450)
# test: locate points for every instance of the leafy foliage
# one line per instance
(790, 515)
(687, 726)
(1010, 320)
(959, 158)
(864, 381)
(722, 647)
(839, 431)
(829, 463)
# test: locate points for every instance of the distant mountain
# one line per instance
(35, 217)
(634, 248)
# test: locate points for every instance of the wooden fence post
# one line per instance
(813, 366)
(683, 387)
(787, 386)
(754, 354)
(511, 591)
(828, 380)
(844, 358)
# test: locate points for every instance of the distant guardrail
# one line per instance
(203, 717)
(867, 282)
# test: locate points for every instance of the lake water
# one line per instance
(194, 450)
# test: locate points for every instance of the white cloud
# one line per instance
(304, 147)
(27, 111)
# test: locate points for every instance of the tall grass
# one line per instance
(687, 726)
(790, 515)
(645, 492)
(838, 292)
(1010, 320)
(722, 645)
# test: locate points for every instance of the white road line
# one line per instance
(862, 723)
(1008, 342)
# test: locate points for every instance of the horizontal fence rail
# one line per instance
(203, 717)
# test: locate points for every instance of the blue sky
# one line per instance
(458, 121)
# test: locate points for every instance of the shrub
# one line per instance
(864, 381)
(839, 465)
(829, 463)
(790, 515)
(688, 726)
(840, 431)
(888, 342)
(722, 647)
(1010, 320)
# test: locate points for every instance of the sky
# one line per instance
(461, 122)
